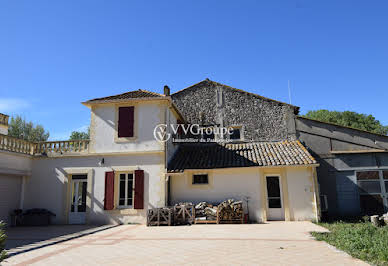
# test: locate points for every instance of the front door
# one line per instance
(77, 213)
(274, 199)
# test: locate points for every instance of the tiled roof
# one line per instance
(208, 156)
(128, 95)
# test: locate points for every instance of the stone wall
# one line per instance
(212, 103)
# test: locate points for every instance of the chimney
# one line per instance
(166, 90)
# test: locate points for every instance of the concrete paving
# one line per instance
(274, 243)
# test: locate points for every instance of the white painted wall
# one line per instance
(10, 190)
(103, 128)
(236, 183)
(226, 184)
(15, 163)
(300, 191)
(46, 188)
(3, 129)
(13, 167)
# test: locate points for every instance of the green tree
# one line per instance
(76, 135)
(19, 128)
(349, 119)
(3, 254)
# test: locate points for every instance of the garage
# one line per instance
(10, 190)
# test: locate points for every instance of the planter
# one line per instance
(37, 217)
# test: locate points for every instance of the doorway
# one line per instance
(77, 214)
(274, 199)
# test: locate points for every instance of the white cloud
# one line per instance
(9, 105)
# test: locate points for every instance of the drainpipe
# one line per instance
(21, 204)
(316, 194)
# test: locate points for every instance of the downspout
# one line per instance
(166, 118)
(316, 194)
(22, 192)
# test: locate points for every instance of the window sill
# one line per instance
(126, 211)
(124, 139)
(124, 207)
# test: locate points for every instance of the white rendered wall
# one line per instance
(46, 188)
(238, 183)
(3, 129)
(225, 184)
(300, 191)
(103, 128)
(15, 163)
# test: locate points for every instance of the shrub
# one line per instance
(3, 254)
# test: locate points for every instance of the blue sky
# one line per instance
(56, 54)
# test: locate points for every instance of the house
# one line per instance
(113, 178)
(139, 157)
(344, 154)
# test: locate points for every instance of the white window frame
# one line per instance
(126, 190)
(280, 187)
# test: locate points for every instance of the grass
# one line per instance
(359, 239)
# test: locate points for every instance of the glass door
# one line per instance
(77, 213)
(274, 198)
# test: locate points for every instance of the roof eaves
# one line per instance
(257, 95)
(296, 108)
(333, 124)
(196, 84)
(239, 167)
(89, 103)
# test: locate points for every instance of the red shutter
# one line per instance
(139, 189)
(126, 122)
(109, 190)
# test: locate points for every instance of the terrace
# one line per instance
(12, 144)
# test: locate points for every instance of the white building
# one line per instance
(123, 170)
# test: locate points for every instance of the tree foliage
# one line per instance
(19, 128)
(3, 254)
(349, 119)
(76, 135)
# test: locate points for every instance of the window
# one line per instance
(126, 185)
(126, 122)
(235, 133)
(200, 179)
(368, 182)
(372, 186)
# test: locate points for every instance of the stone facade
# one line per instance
(212, 103)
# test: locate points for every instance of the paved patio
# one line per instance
(286, 243)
